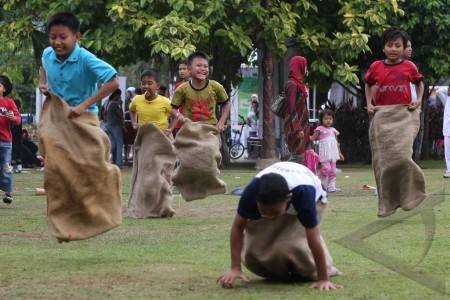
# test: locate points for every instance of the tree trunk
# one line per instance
(269, 143)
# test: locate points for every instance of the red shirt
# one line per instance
(5, 123)
(180, 109)
(392, 81)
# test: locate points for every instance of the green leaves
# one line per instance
(337, 36)
(347, 73)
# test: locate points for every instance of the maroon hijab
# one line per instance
(298, 66)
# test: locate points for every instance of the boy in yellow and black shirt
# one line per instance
(200, 96)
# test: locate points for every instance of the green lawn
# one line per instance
(180, 258)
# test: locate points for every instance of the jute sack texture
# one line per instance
(83, 188)
(198, 150)
(278, 249)
(154, 159)
(400, 181)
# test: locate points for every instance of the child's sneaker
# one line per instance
(8, 199)
(332, 186)
(333, 189)
(18, 168)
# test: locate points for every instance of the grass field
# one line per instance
(180, 258)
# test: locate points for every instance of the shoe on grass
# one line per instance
(447, 175)
(8, 199)
(333, 189)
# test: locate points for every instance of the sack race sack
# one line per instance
(400, 181)
(83, 188)
(278, 249)
(154, 159)
(279, 105)
(197, 147)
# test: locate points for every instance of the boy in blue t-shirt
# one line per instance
(72, 72)
(282, 188)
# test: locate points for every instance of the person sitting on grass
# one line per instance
(272, 197)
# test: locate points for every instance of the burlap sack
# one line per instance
(83, 188)
(197, 147)
(400, 181)
(154, 159)
(278, 249)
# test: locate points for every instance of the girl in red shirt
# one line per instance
(9, 115)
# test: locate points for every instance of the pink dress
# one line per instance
(328, 145)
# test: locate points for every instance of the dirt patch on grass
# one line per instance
(150, 282)
(25, 235)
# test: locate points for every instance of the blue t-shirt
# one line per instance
(305, 187)
(78, 77)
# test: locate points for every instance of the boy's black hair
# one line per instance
(394, 33)
(150, 73)
(183, 62)
(64, 18)
(4, 80)
(408, 38)
(325, 112)
(197, 54)
(271, 188)
(163, 88)
(116, 94)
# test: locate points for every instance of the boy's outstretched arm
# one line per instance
(419, 91)
(224, 117)
(175, 117)
(133, 117)
(323, 282)
(315, 135)
(236, 244)
(104, 91)
(369, 96)
(43, 87)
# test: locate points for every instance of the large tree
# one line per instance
(335, 35)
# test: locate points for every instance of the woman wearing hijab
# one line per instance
(296, 120)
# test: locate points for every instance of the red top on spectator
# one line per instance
(7, 104)
(180, 109)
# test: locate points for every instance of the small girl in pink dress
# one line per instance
(329, 151)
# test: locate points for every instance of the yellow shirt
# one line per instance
(155, 111)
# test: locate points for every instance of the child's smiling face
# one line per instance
(394, 50)
(62, 40)
(199, 69)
